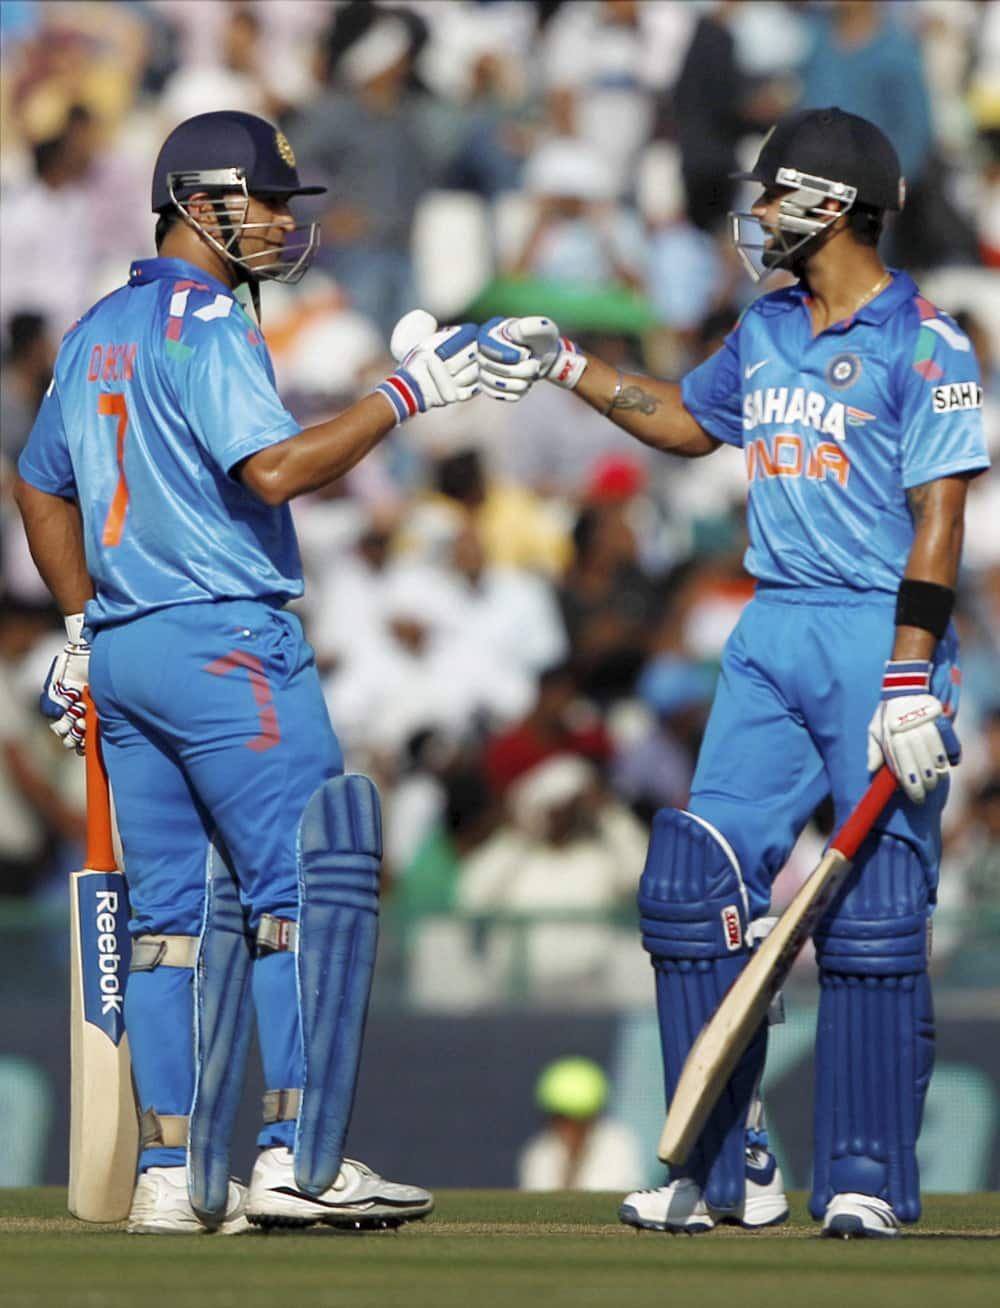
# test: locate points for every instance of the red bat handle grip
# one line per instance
(100, 846)
(863, 818)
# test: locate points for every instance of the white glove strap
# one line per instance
(568, 367)
(74, 628)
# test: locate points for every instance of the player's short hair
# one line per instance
(164, 223)
(865, 224)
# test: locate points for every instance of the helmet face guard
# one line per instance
(802, 218)
(227, 191)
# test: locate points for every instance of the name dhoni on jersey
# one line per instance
(787, 404)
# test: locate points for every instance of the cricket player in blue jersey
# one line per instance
(154, 491)
(857, 405)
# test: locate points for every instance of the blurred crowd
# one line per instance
(518, 611)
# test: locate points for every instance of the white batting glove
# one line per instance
(910, 731)
(514, 353)
(438, 367)
(62, 694)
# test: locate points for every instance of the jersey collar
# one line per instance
(901, 289)
(144, 271)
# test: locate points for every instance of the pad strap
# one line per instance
(151, 952)
(163, 1130)
(280, 1106)
(276, 935)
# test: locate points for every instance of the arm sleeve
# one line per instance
(713, 395)
(45, 461)
(226, 391)
(941, 421)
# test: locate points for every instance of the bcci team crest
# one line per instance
(843, 370)
(284, 148)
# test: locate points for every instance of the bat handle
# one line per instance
(100, 846)
(863, 818)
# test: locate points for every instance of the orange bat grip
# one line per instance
(100, 846)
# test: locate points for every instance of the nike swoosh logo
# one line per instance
(749, 371)
(355, 1205)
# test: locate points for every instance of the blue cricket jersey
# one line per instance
(158, 392)
(836, 428)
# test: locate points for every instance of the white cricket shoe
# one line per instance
(854, 1215)
(359, 1198)
(160, 1206)
(679, 1206)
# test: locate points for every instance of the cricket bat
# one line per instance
(104, 1123)
(725, 1036)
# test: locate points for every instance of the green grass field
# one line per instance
(483, 1249)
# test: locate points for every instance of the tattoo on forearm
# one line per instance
(918, 498)
(634, 397)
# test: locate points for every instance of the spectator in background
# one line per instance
(517, 528)
(559, 722)
(496, 133)
(470, 813)
(510, 611)
(653, 767)
(608, 602)
(714, 106)
(569, 847)
(582, 236)
(49, 231)
(424, 672)
(862, 60)
(349, 607)
(26, 371)
(579, 1148)
(605, 66)
(232, 80)
(544, 444)
(36, 816)
(685, 266)
(370, 115)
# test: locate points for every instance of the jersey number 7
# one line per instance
(114, 405)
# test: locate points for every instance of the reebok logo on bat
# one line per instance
(109, 958)
(731, 927)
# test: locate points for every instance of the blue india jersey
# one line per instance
(159, 391)
(836, 428)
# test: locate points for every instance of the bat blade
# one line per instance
(104, 1126)
(725, 1037)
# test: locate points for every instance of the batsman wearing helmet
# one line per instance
(154, 489)
(858, 407)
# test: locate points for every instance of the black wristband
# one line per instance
(924, 604)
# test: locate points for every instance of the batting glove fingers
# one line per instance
(62, 694)
(910, 731)
(516, 352)
(442, 369)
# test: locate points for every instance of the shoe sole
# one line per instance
(148, 1228)
(384, 1219)
(846, 1226)
(630, 1217)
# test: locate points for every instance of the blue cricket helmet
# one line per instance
(224, 140)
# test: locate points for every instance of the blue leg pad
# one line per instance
(693, 916)
(340, 853)
(875, 1032)
(159, 1020)
(223, 1021)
